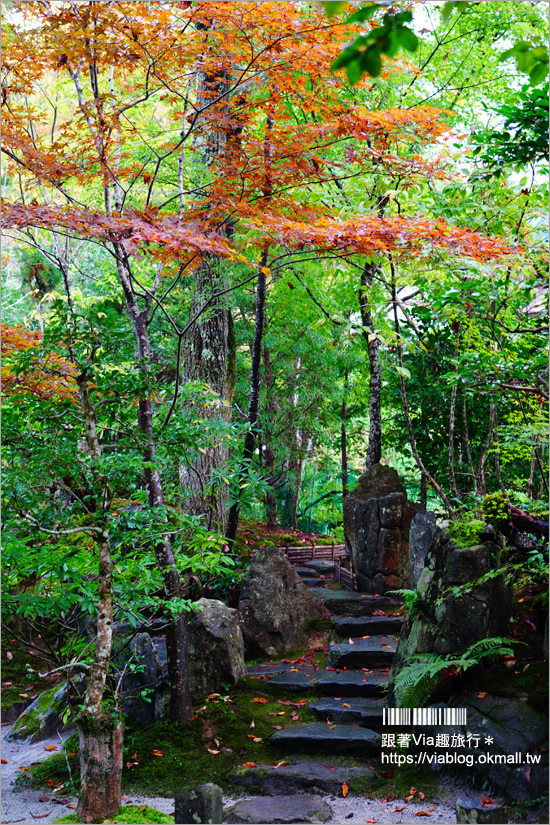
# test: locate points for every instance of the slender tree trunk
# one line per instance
(343, 442)
(405, 405)
(374, 449)
(530, 483)
(452, 418)
(486, 449)
(497, 459)
(254, 398)
(100, 729)
(269, 456)
(176, 635)
(466, 440)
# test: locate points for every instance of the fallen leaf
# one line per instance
(332, 727)
(252, 724)
(481, 695)
(351, 642)
(214, 696)
(260, 700)
(216, 742)
(43, 798)
(257, 739)
(431, 809)
(387, 798)
(371, 820)
(280, 713)
(51, 783)
(23, 695)
(157, 753)
(4, 761)
(420, 795)
(510, 662)
(210, 750)
(9, 655)
(249, 765)
(142, 808)
(422, 813)
(345, 789)
(409, 798)
(399, 808)
(349, 816)
(50, 748)
(279, 764)
(70, 805)
(486, 800)
(277, 727)
(41, 816)
(345, 706)
(7, 684)
(22, 768)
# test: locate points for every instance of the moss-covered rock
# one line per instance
(42, 719)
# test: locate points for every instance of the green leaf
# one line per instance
(353, 71)
(371, 62)
(332, 8)
(344, 59)
(404, 372)
(407, 38)
(362, 14)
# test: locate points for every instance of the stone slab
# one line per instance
(364, 711)
(279, 810)
(306, 572)
(472, 811)
(343, 602)
(320, 566)
(304, 775)
(348, 683)
(354, 626)
(377, 651)
(319, 736)
(271, 668)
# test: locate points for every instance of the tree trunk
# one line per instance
(374, 450)
(269, 456)
(209, 347)
(452, 419)
(486, 449)
(466, 441)
(100, 731)
(530, 483)
(101, 752)
(254, 398)
(343, 442)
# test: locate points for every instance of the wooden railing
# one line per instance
(346, 578)
(322, 552)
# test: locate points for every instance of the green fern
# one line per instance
(416, 681)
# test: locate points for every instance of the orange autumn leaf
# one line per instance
(157, 753)
(260, 700)
(50, 748)
(422, 813)
(345, 789)
(249, 765)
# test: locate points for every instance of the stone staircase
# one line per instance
(352, 685)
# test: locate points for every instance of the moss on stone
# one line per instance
(130, 815)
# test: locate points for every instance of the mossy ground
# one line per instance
(253, 534)
(132, 815)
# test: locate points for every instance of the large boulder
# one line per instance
(276, 607)
(377, 518)
(505, 730)
(215, 648)
(43, 718)
(420, 538)
(444, 624)
(137, 665)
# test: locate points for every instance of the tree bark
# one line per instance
(374, 449)
(100, 732)
(269, 456)
(254, 398)
(343, 442)
(209, 347)
(466, 441)
(486, 449)
(452, 419)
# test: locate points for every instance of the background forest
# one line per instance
(234, 279)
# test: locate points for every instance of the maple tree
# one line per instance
(200, 147)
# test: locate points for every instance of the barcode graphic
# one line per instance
(424, 716)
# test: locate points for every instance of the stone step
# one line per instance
(365, 711)
(304, 775)
(271, 668)
(347, 683)
(354, 626)
(319, 566)
(377, 651)
(343, 602)
(318, 736)
(314, 583)
(278, 810)
(306, 572)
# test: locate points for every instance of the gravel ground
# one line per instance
(24, 806)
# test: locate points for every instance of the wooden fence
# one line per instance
(322, 552)
(346, 578)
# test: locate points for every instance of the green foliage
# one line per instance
(466, 531)
(494, 507)
(415, 682)
(413, 602)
